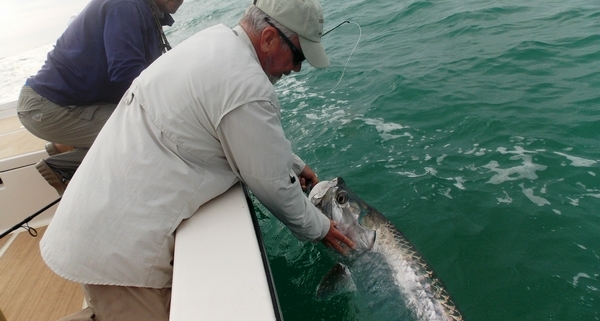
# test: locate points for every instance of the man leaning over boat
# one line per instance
(198, 120)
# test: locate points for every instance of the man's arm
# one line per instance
(258, 152)
(125, 33)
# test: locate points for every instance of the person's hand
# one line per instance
(334, 239)
(308, 178)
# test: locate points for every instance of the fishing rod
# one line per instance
(330, 30)
(32, 231)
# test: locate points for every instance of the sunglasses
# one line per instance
(298, 55)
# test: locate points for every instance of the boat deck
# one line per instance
(16, 140)
(30, 290)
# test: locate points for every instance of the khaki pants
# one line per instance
(76, 126)
(121, 303)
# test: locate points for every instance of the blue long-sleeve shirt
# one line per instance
(100, 53)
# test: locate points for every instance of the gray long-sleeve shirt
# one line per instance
(199, 119)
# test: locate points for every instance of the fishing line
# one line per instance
(352, 52)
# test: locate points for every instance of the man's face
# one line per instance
(168, 6)
(280, 61)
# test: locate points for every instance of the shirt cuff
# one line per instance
(297, 164)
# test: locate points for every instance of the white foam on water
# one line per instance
(295, 91)
(519, 151)
(428, 170)
(578, 276)
(506, 199)
(481, 152)
(459, 182)
(470, 167)
(539, 201)
(556, 211)
(343, 149)
(525, 171)
(446, 192)
(440, 159)
(472, 151)
(410, 174)
(577, 161)
(516, 139)
(385, 129)
(573, 201)
(431, 170)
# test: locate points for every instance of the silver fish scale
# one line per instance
(424, 293)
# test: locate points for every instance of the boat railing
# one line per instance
(221, 271)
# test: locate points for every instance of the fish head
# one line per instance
(334, 199)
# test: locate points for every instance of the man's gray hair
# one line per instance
(254, 20)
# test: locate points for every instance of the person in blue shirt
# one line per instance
(91, 66)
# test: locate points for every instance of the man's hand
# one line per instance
(335, 239)
(308, 179)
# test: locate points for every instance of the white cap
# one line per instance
(304, 17)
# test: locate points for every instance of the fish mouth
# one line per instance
(318, 191)
(363, 237)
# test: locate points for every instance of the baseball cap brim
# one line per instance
(314, 52)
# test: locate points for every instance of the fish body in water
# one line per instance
(384, 268)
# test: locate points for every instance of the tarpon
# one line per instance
(391, 277)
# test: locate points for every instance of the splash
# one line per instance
(506, 199)
(540, 201)
(428, 170)
(578, 276)
(577, 161)
(385, 129)
(525, 171)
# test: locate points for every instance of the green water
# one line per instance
(475, 127)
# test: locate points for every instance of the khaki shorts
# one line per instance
(121, 303)
(76, 126)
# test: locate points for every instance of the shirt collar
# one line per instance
(243, 36)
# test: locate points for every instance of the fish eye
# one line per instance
(341, 198)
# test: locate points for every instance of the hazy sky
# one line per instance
(29, 24)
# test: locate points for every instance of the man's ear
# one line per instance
(269, 38)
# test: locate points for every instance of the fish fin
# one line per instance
(337, 280)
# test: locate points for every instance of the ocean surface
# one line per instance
(474, 126)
